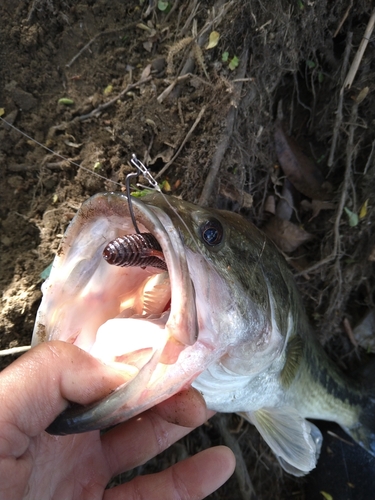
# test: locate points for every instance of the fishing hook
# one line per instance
(131, 211)
(140, 249)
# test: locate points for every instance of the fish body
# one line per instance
(225, 317)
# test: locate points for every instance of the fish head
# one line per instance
(236, 274)
(162, 328)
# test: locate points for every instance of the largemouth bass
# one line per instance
(200, 297)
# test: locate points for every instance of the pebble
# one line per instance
(24, 100)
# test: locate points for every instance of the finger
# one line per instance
(134, 442)
(193, 479)
(186, 408)
(149, 434)
(35, 388)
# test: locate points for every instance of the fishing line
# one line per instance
(140, 168)
(135, 162)
(154, 185)
(130, 202)
(60, 155)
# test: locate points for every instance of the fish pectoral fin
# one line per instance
(295, 441)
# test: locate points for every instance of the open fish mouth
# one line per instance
(139, 316)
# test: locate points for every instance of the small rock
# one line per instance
(10, 118)
(158, 64)
(15, 181)
(121, 67)
(24, 100)
(5, 240)
(50, 182)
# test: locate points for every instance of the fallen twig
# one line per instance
(167, 165)
(344, 191)
(361, 50)
(194, 9)
(179, 79)
(226, 137)
(216, 15)
(338, 120)
(343, 19)
(370, 158)
(98, 35)
(340, 438)
(349, 331)
(245, 200)
(97, 111)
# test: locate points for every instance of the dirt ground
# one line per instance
(96, 81)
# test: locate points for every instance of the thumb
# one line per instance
(37, 386)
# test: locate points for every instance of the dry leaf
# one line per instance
(73, 144)
(300, 170)
(166, 187)
(363, 211)
(362, 95)
(270, 205)
(364, 333)
(285, 205)
(316, 206)
(213, 40)
(147, 46)
(286, 235)
(166, 155)
(245, 200)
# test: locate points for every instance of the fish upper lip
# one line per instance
(182, 323)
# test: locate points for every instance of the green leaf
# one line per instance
(353, 218)
(326, 495)
(65, 101)
(225, 56)
(108, 89)
(46, 272)
(234, 63)
(139, 193)
(310, 64)
(165, 186)
(163, 5)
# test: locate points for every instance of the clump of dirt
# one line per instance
(95, 82)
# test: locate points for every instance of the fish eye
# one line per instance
(212, 232)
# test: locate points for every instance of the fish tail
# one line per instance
(364, 431)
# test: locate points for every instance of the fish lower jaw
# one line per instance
(128, 343)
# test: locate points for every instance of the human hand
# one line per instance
(37, 466)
